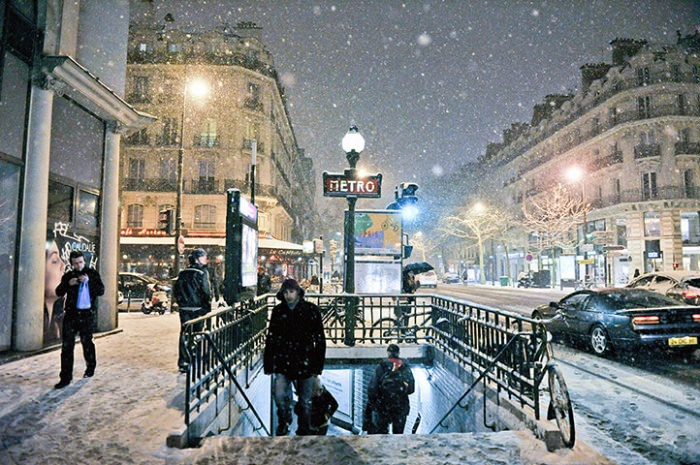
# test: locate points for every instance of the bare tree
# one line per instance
(552, 218)
(425, 245)
(476, 223)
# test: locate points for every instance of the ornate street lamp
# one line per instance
(197, 88)
(576, 174)
(353, 144)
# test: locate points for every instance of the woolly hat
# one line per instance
(289, 283)
(196, 254)
(393, 350)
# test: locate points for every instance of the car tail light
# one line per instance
(646, 320)
(690, 294)
(696, 317)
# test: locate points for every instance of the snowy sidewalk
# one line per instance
(124, 413)
(121, 415)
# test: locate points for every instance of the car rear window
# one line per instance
(695, 282)
(639, 299)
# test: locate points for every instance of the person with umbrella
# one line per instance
(409, 285)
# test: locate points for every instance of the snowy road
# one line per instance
(638, 407)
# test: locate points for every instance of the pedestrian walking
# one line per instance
(81, 286)
(264, 282)
(192, 292)
(388, 393)
(295, 351)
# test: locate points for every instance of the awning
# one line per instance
(263, 243)
(189, 241)
(87, 89)
(266, 243)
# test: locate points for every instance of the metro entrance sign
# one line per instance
(346, 185)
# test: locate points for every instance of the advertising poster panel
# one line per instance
(374, 277)
(378, 232)
(249, 256)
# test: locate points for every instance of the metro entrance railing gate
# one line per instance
(231, 341)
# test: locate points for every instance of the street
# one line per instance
(633, 407)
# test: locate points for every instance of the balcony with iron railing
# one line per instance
(687, 148)
(652, 193)
(647, 151)
(150, 184)
(512, 152)
(206, 141)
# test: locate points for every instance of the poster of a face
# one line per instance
(249, 257)
(60, 242)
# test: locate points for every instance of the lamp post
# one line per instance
(253, 161)
(198, 88)
(573, 175)
(353, 144)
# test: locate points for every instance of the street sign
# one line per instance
(601, 241)
(587, 261)
(318, 246)
(529, 257)
(610, 248)
(180, 245)
(344, 185)
(586, 247)
(603, 234)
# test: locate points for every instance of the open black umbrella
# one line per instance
(418, 268)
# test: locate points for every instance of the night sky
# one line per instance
(428, 83)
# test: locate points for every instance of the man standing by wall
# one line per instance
(82, 285)
(295, 351)
(388, 392)
(193, 295)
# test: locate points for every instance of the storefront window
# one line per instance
(652, 224)
(87, 211)
(9, 183)
(60, 202)
(690, 228)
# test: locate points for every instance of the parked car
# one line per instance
(623, 318)
(684, 286)
(133, 288)
(427, 279)
(451, 278)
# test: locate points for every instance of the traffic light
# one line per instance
(166, 221)
(406, 200)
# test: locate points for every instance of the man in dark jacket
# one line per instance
(193, 295)
(295, 351)
(388, 392)
(80, 313)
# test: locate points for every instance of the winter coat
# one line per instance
(71, 292)
(373, 388)
(295, 344)
(191, 289)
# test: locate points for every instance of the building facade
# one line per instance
(634, 132)
(245, 105)
(62, 74)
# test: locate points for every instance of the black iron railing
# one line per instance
(231, 341)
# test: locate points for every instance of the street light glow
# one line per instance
(353, 141)
(479, 207)
(198, 88)
(409, 212)
(574, 174)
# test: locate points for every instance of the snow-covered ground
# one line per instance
(124, 413)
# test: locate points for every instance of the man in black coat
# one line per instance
(390, 407)
(295, 351)
(80, 313)
(192, 292)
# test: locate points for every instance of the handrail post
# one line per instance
(350, 309)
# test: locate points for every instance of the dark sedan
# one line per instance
(623, 318)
